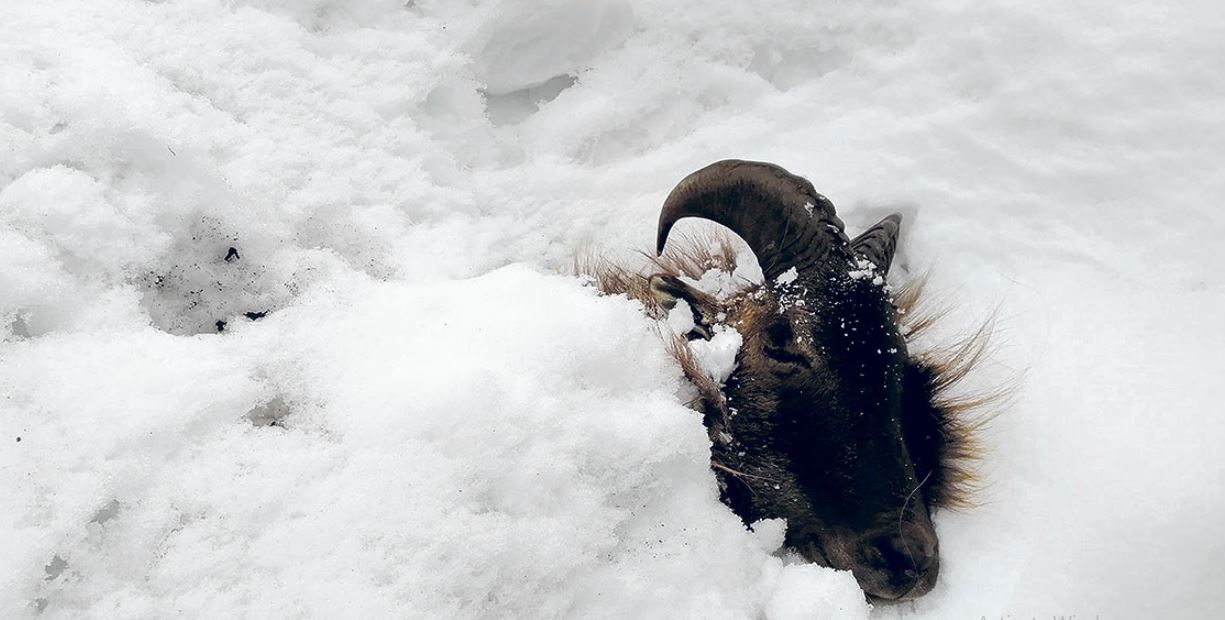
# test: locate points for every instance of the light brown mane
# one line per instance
(689, 256)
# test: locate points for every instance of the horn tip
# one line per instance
(661, 238)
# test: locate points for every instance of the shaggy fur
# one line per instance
(941, 426)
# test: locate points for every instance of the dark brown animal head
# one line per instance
(828, 421)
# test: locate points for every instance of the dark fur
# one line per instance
(939, 426)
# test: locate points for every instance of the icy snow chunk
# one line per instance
(717, 283)
(680, 318)
(787, 277)
(722, 284)
(770, 533)
(717, 356)
(806, 591)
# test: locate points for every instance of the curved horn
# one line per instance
(878, 242)
(783, 219)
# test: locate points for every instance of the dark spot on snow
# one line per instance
(271, 413)
(19, 440)
(255, 316)
(231, 255)
(106, 513)
(20, 329)
(55, 567)
(220, 326)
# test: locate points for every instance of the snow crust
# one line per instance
(412, 411)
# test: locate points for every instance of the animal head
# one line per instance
(828, 421)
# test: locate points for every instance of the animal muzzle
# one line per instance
(899, 564)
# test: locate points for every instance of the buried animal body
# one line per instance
(828, 420)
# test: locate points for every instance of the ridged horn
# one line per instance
(783, 219)
(878, 242)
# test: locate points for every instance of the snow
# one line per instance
(786, 277)
(723, 285)
(434, 419)
(680, 318)
(864, 269)
(806, 591)
(717, 356)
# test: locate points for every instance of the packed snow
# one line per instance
(788, 277)
(289, 326)
(864, 269)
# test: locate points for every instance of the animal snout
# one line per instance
(901, 565)
(902, 554)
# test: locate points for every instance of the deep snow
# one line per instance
(435, 420)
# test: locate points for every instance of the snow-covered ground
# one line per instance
(435, 420)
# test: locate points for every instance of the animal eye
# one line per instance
(778, 334)
(777, 344)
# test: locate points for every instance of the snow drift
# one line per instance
(288, 331)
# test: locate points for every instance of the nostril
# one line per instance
(907, 557)
(900, 565)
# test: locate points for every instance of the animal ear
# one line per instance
(878, 242)
(666, 289)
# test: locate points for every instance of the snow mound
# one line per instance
(323, 462)
(806, 591)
